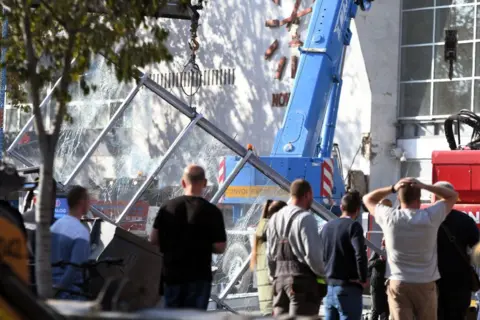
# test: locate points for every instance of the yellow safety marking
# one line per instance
(254, 191)
(473, 303)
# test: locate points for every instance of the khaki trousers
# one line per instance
(408, 301)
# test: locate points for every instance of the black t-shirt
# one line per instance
(453, 269)
(187, 227)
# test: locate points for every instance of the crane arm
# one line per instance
(313, 107)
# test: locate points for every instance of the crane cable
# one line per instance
(191, 66)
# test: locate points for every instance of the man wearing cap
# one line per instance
(454, 286)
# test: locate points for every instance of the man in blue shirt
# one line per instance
(71, 243)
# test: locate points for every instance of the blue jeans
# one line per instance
(343, 303)
(191, 295)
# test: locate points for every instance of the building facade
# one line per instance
(396, 90)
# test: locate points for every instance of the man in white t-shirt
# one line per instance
(411, 243)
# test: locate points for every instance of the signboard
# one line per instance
(280, 99)
(253, 191)
(61, 207)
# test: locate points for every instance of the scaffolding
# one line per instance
(92, 151)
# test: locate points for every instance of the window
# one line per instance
(15, 119)
(425, 89)
(11, 120)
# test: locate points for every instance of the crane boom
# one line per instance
(303, 145)
(309, 124)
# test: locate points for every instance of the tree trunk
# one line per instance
(43, 218)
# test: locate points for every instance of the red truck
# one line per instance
(462, 169)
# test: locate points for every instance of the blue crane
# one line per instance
(303, 146)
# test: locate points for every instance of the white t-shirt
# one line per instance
(411, 241)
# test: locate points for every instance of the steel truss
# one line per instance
(196, 120)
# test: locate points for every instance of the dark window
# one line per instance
(417, 27)
(451, 96)
(416, 63)
(423, 31)
(414, 99)
(413, 4)
(459, 18)
(461, 69)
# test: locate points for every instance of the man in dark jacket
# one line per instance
(345, 261)
(377, 266)
(454, 286)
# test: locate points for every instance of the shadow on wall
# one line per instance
(234, 37)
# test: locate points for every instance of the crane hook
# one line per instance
(194, 45)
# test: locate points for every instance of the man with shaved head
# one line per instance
(294, 255)
(188, 229)
(454, 286)
(411, 243)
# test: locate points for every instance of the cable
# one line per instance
(463, 117)
(353, 162)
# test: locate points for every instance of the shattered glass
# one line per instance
(128, 153)
(131, 151)
(241, 220)
(89, 116)
(197, 147)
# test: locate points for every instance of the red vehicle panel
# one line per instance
(473, 210)
(136, 219)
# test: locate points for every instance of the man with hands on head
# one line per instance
(411, 242)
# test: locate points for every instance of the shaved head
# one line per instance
(444, 184)
(194, 174)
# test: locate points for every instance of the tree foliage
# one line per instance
(44, 38)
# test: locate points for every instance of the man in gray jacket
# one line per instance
(295, 256)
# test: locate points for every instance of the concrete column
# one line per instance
(379, 33)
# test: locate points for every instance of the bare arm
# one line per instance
(219, 247)
(253, 259)
(217, 232)
(449, 196)
(154, 237)
(370, 200)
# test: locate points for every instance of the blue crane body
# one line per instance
(303, 146)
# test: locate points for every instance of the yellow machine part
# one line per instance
(14, 252)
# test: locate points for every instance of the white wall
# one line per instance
(234, 36)
(379, 32)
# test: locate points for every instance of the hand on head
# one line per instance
(408, 181)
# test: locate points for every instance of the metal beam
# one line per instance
(238, 149)
(105, 130)
(29, 123)
(20, 158)
(239, 274)
(99, 213)
(231, 177)
(162, 163)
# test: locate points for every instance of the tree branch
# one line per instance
(57, 18)
(64, 84)
(32, 62)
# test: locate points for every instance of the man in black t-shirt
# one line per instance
(454, 286)
(188, 229)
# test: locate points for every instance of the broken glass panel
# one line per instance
(197, 147)
(89, 116)
(128, 154)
